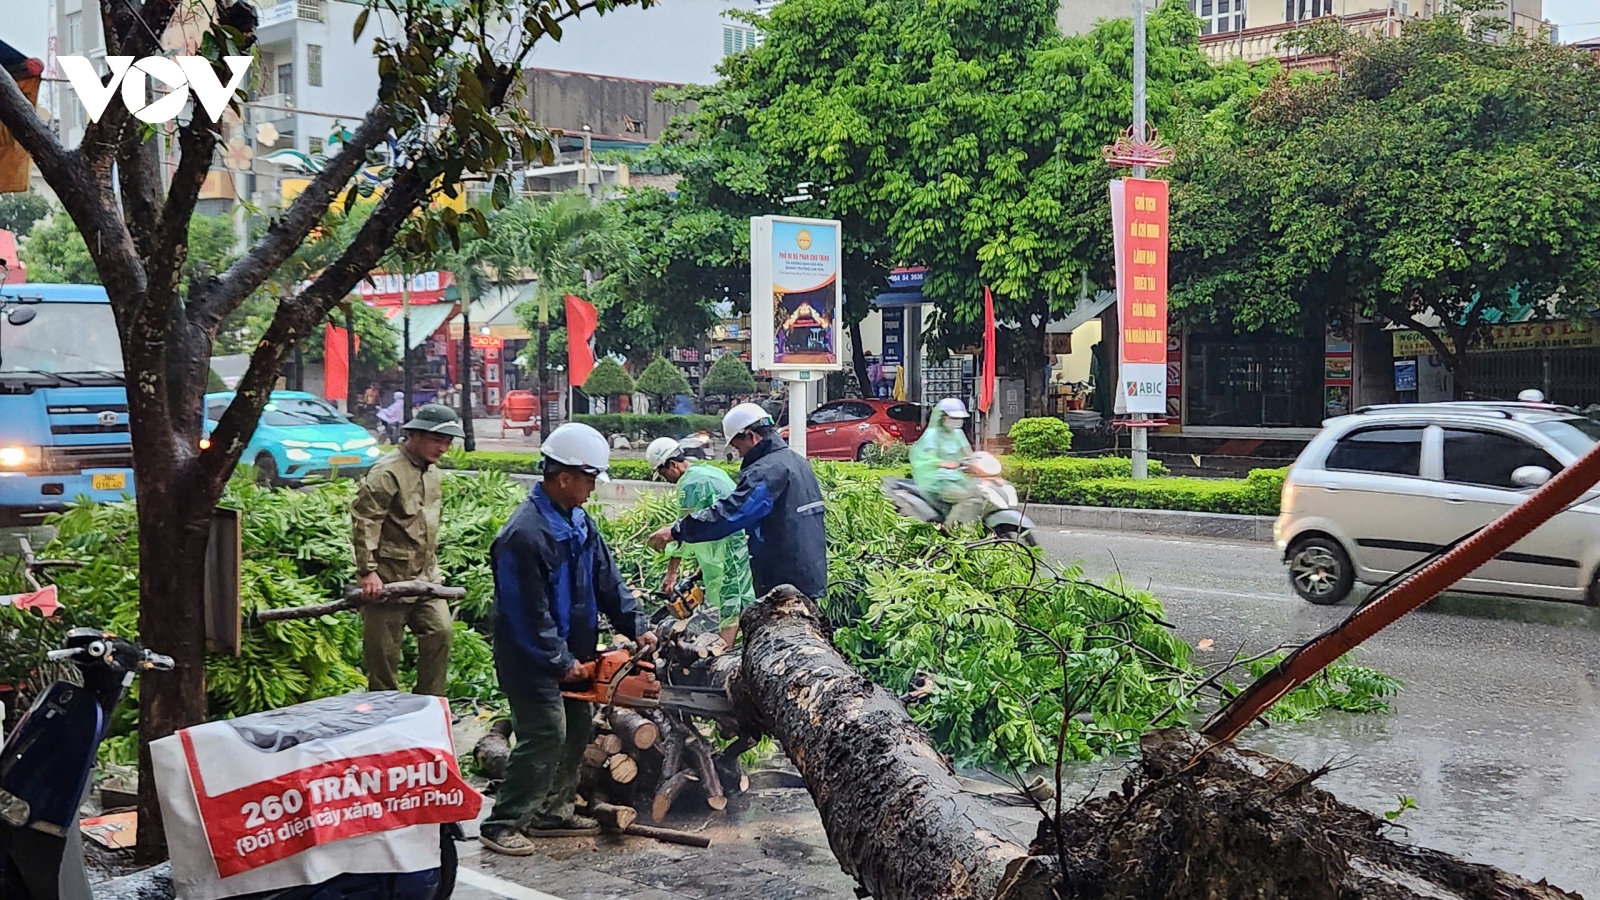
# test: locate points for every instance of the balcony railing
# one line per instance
(1257, 44)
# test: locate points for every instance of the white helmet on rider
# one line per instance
(953, 408)
(741, 418)
(581, 447)
(662, 451)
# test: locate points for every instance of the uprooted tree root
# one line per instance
(1196, 821)
(1201, 820)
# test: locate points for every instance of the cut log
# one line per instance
(668, 835)
(622, 768)
(1197, 821)
(699, 752)
(610, 743)
(613, 818)
(635, 730)
(493, 750)
(594, 756)
(667, 792)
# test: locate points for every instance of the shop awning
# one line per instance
(425, 320)
(498, 311)
(1082, 313)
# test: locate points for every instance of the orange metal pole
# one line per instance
(1422, 586)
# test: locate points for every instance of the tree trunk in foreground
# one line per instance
(1197, 821)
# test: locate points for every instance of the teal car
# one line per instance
(301, 436)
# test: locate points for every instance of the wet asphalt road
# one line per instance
(1496, 735)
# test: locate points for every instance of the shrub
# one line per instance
(649, 426)
(1256, 495)
(728, 376)
(888, 455)
(608, 379)
(1041, 480)
(660, 380)
(1040, 438)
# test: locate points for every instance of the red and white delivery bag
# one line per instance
(296, 796)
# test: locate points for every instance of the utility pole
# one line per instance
(1141, 433)
(470, 441)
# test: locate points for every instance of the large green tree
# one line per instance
(1439, 181)
(965, 136)
(454, 63)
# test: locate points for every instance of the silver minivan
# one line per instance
(1379, 490)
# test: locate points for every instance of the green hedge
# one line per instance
(1090, 481)
(1256, 495)
(1047, 477)
(1040, 438)
(649, 426)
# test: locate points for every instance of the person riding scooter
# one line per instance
(936, 456)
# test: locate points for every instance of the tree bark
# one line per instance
(858, 358)
(635, 730)
(1196, 821)
(894, 812)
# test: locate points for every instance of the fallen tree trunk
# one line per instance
(1198, 821)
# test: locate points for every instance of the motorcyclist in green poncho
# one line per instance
(936, 456)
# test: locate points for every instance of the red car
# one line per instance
(843, 429)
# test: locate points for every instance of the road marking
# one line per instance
(483, 881)
(1146, 537)
(1163, 589)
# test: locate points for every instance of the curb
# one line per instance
(1174, 523)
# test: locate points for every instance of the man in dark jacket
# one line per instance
(553, 576)
(777, 503)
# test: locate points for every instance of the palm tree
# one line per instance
(470, 265)
(560, 242)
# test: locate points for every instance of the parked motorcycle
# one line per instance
(49, 757)
(990, 499)
(697, 446)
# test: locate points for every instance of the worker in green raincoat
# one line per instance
(724, 564)
(936, 456)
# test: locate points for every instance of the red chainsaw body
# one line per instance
(618, 678)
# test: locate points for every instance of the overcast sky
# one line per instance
(1579, 19)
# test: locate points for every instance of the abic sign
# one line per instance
(177, 72)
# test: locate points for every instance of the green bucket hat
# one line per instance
(437, 418)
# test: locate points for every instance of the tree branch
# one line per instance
(129, 31)
(213, 300)
(296, 317)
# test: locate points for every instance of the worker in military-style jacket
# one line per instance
(395, 529)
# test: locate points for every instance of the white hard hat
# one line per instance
(741, 417)
(577, 445)
(953, 408)
(661, 451)
(1531, 395)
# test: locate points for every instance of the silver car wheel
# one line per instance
(1316, 571)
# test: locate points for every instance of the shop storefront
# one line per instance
(1249, 384)
(1560, 357)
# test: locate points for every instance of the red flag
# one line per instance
(581, 321)
(336, 362)
(986, 387)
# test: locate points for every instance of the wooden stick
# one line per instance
(610, 743)
(594, 757)
(668, 835)
(613, 818)
(667, 791)
(394, 591)
(635, 730)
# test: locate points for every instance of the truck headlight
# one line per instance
(18, 457)
(297, 454)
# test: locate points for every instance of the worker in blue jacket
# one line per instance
(553, 576)
(777, 503)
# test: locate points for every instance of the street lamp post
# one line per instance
(1141, 433)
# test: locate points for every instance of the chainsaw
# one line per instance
(625, 676)
(685, 597)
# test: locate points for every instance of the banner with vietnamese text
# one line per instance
(1139, 218)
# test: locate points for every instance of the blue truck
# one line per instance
(63, 402)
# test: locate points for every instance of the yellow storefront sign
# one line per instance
(1557, 334)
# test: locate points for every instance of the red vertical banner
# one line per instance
(335, 363)
(582, 319)
(1139, 215)
(986, 389)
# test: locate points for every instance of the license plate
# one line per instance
(109, 481)
(343, 460)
